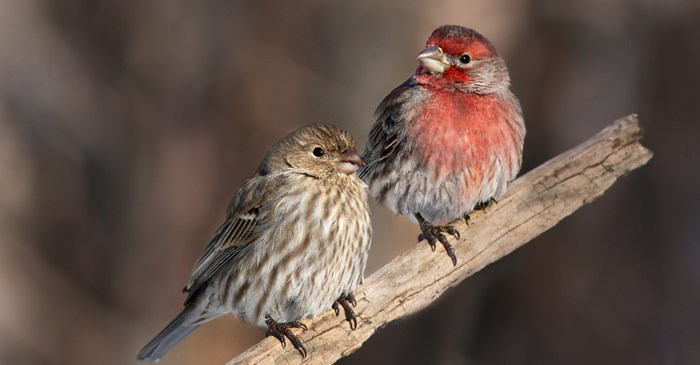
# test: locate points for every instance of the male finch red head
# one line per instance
(450, 138)
(294, 243)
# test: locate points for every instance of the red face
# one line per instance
(453, 55)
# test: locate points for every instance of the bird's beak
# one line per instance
(433, 59)
(349, 162)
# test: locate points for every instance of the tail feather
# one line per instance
(173, 333)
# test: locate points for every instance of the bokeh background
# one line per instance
(125, 126)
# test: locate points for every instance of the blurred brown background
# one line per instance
(125, 126)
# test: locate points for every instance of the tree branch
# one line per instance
(534, 203)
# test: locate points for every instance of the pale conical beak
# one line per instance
(433, 59)
(349, 162)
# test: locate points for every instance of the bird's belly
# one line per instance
(316, 263)
(444, 197)
(307, 291)
(300, 296)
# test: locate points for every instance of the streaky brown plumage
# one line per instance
(294, 243)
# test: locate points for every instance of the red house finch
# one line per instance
(294, 243)
(449, 139)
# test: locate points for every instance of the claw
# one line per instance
(279, 336)
(345, 301)
(429, 238)
(467, 218)
(297, 324)
(432, 234)
(452, 231)
(485, 204)
(450, 250)
(351, 299)
(282, 330)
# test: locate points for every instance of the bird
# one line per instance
(449, 139)
(294, 243)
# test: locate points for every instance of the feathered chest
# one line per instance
(452, 131)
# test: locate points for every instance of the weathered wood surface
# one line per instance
(534, 203)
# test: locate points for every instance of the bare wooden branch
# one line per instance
(534, 203)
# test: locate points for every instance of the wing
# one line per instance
(386, 133)
(236, 232)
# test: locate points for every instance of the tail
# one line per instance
(173, 333)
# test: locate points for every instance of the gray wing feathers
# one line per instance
(385, 135)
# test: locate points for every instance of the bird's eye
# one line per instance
(465, 59)
(318, 152)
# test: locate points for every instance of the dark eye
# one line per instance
(318, 151)
(465, 59)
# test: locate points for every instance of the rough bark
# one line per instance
(534, 203)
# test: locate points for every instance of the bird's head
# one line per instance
(461, 58)
(319, 149)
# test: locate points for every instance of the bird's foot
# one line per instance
(345, 301)
(467, 217)
(480, 206)
(485, 204)
(432, 234)
(282, 330)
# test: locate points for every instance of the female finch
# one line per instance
(449, 139)
(294, 243)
